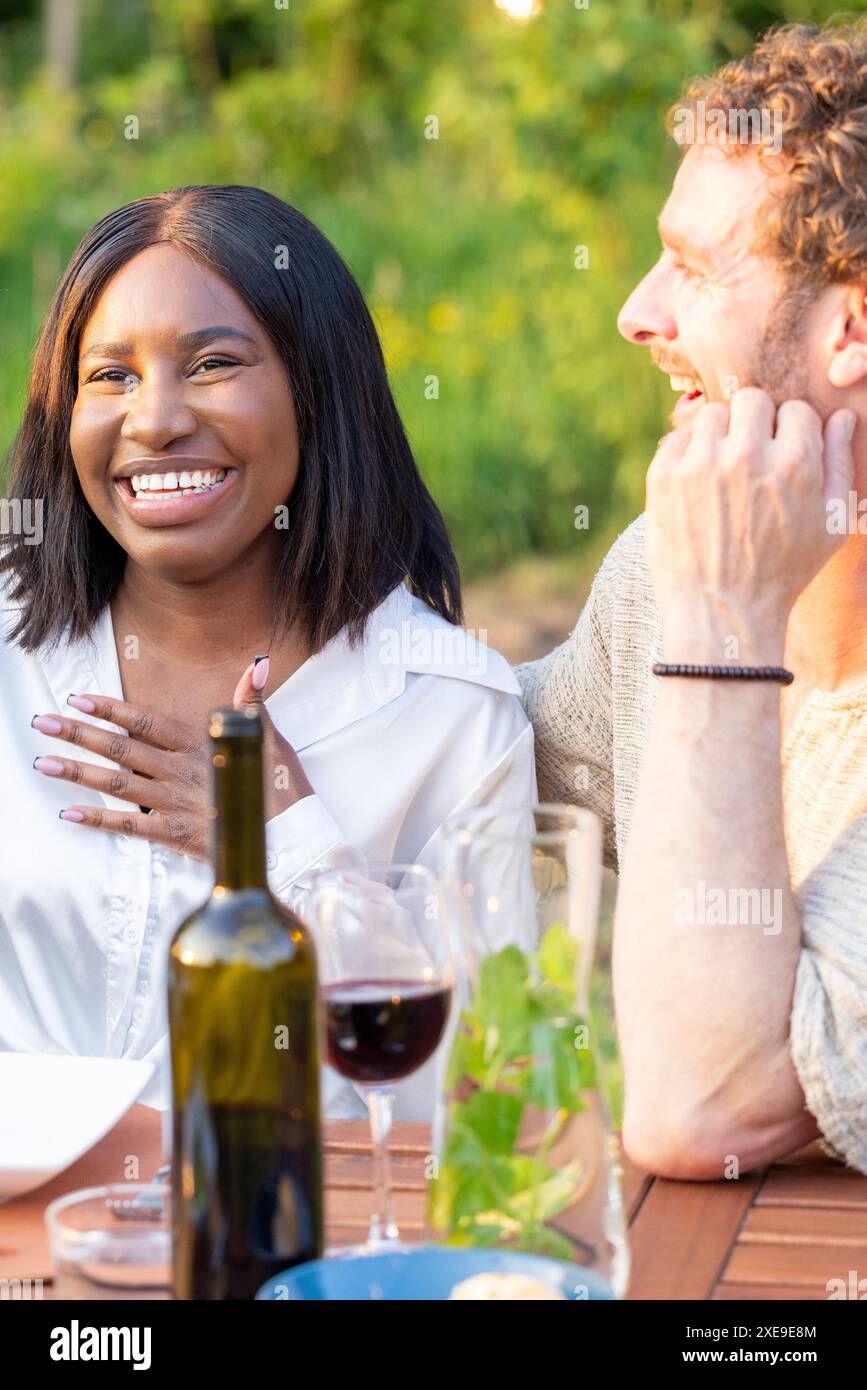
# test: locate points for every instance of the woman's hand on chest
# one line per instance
(164, 764)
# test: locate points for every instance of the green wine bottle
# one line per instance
(244, 1033)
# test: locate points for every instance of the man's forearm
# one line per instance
(708, 937)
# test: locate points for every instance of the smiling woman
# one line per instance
(175, 340)
(224, 472)
(164, 401)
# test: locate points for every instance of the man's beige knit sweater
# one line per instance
(590, 701)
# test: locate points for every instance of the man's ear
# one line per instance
(846, 342)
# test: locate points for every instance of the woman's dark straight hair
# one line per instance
(359, 521)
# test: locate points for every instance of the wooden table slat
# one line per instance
(682, 1234)
(768, 1292)
(838, 1226)
(356, 1170)
(347, 1207)
(789, 1264)
(828, 1184)
(353, 1136)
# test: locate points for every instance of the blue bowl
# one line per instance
(427, 1273)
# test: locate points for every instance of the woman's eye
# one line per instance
(214, 362)
(119, 376)
(112, 374)
(686, 271)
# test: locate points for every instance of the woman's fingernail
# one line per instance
(72, 815)
(50, 766)
(81, 702)
(260, 672)
(46, 724)
(851, 422)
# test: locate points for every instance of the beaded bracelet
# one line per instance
(730, 673)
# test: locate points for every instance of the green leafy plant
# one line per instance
(517, 1052)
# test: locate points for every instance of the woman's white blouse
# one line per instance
(417, 721)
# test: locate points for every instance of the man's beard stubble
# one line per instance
(778, 365)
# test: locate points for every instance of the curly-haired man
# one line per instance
(734, 798)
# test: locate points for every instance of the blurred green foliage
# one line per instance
(550, 136)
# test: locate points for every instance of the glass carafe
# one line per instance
(525, 1156)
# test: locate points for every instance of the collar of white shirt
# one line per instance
(332, 689)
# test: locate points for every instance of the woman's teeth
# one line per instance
(148, 485)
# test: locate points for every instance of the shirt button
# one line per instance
(271, 860)
(131, 935)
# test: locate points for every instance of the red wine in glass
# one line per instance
(387, 975)
(380, 1031)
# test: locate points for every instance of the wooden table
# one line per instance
(779, 1234)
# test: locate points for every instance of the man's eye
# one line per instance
(686, 271)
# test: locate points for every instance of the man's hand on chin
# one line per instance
(737, 507)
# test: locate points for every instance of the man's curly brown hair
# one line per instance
(815, 220)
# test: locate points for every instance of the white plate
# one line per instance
(54, 1108)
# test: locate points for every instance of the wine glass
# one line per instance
(387, 974)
